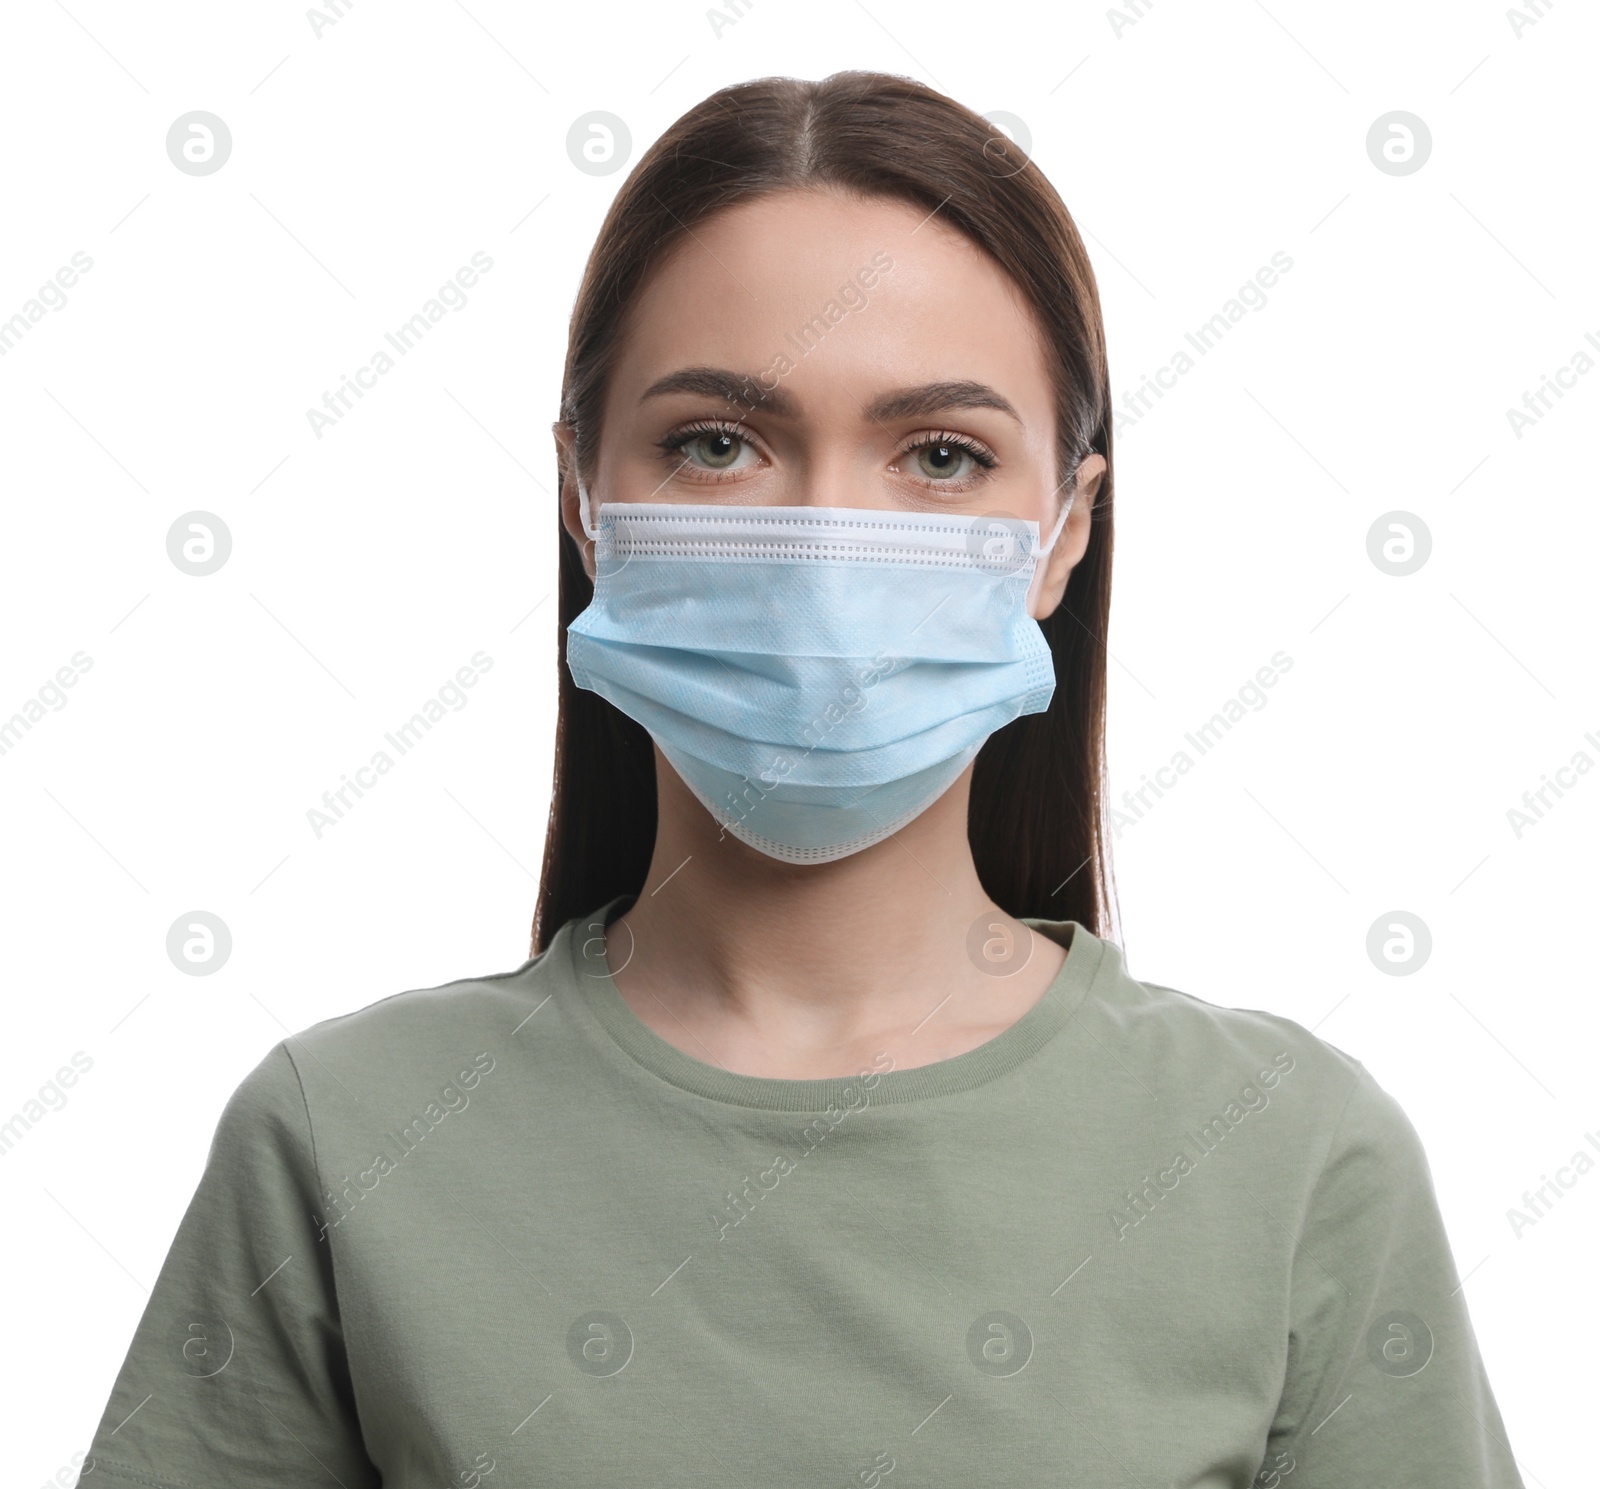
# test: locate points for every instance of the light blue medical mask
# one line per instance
(818, 676)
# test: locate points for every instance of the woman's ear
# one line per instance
(1073, 540)
(566, 438)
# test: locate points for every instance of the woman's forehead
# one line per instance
(839, 293)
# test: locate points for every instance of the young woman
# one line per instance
(825, 1137)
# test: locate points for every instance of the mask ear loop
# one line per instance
(1049, 543)
(591, 529)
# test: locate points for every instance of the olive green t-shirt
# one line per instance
(501, 1231)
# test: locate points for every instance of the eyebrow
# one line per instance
(745, 389)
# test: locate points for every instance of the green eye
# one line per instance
(709, 446)
(942, 462)
(717, 450)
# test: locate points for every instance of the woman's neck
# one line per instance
(796, 970)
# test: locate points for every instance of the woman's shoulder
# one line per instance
(1197, 1048)
(1183, 1024)
(437, 1031)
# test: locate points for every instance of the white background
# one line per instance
(370, 161)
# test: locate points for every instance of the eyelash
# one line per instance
(672, 443)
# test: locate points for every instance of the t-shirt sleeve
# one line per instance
(237, 1372)
(1384, 1383)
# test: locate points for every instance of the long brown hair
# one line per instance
(1036, 821)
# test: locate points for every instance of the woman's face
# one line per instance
(812, 348)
